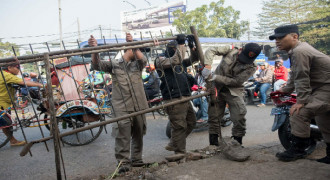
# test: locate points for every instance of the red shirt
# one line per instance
(281, 73)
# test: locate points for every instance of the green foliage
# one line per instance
(213, 20)
(312, 17)
(6, 49)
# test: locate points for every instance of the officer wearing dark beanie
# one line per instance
(228, 78)
(310, 77)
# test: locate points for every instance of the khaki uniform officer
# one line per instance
(127, 96)
(235, 68)
(310, 77)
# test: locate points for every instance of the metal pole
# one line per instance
(60, 22)
(198, 44)
(79, 37)
(54, 128)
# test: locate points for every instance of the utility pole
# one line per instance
(130, 4)
(79, 37)
(60, 23)
(101, 31)
(148, 2)
(249, 30)
(110, 31)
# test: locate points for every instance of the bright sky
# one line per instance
(23, 18)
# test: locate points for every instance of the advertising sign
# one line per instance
(151, 19)
(172, 9)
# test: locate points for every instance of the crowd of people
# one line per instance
(309, 77)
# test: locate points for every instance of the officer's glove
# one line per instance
(181, 39)
(206, 73)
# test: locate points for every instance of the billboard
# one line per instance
(151, 19)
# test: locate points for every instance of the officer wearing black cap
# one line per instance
(235, 68)
(310, 77)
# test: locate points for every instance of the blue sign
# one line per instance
(172, 9)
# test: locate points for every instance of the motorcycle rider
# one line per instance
(310, 77)
(280, 74)
(263, 82)
(201, 102)
(9, 77)
(234, 69)
(152, 82)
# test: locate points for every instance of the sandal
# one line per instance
(18, 143)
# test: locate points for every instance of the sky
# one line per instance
(31, 21)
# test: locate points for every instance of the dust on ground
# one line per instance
(213, 165)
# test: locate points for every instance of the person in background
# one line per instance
(310, 77)
(263, 83)
(9, 78)
(201, 102)
(151, 82)
(280, 74)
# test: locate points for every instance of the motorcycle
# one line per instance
(23, 98)
(283, 103)
(250, 96)
(200, 126)
(157, 100)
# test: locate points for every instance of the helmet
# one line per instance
(151, 67)
(33, 74)
(279, 60)
(25, 74)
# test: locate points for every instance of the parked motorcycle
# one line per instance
(283, 103)
(157, 100)
(22, 100)
(250, 96)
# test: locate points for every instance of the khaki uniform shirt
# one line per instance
(310, 69)
(127, 85)
(230, 72)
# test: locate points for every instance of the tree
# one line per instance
(312, 17)
(6, 49)
(211, 21)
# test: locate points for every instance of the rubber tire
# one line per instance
(95, 136)
(6, 140)
(285, 136)
(168, 130)
(161, 111)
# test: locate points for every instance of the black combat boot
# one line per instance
(296, 151)
(214, 139)
(238, 139)
(326, 159)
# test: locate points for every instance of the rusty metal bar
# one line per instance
(183, 99)
(54, 128)
(83, 52)
(198, 45)
(64, 53)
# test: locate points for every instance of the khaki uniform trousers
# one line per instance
(237, 111)
(183, 120)
(318, 108)
(126, 131)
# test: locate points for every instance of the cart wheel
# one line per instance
(5, 121)
(70, 123)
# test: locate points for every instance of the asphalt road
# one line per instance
(98, 157)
